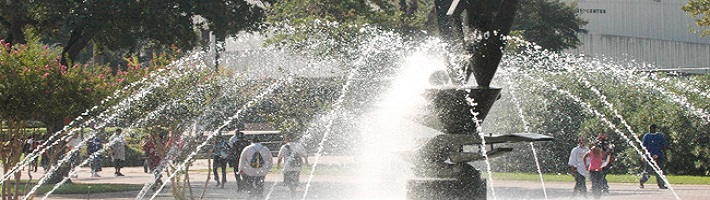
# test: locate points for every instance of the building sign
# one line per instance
(591, 11)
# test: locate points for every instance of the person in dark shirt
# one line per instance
(656, 144)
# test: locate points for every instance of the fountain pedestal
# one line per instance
(477, 29)
(442, 166)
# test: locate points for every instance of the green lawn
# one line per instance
(612, 178)
(80, 188)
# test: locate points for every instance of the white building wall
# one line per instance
(649, 31)
(663, 54)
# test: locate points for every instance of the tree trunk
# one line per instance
(79, 38)
(15, 35)
(55, 126)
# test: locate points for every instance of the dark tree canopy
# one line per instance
(125, 25)
(549, 23)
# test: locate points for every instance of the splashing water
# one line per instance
(526, 128)
(591, 109)
(385, 125)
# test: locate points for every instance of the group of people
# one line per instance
(252, 161)
(593, 161)
(117, 150)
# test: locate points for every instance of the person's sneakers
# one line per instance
(119, 174)
(662, 187)
(97, 175)
(640, 184)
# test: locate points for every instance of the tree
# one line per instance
(327, 27)
(34, 86)
(127, 25)
(700, 10)
(549, 23)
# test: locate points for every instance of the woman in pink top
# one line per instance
(595, 166)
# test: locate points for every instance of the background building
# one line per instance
(648, 31)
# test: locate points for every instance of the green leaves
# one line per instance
(549, 23)
(35, 86)
(700, 10)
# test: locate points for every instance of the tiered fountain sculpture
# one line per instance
(475, 29)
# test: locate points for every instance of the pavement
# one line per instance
(361, 187)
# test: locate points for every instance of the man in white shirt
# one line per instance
(118, 151)
(293, 154)
(577, 168)
(255, 162)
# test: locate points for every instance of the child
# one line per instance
(595, 167)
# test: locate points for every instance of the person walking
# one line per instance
(153, 160)
(95, 145)
(219, 156)
(293, 154)
(73, 143)
(255, 162)
(656, 144)
(595, 165)
(118, 151)
(577, 167)
(237, 143)
(608, 150)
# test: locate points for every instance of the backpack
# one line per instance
(256, 160)
(293, 159)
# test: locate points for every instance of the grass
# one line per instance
(612, 178)
(346, 170)
(80, 188)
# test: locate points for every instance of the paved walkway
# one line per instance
(354, 187)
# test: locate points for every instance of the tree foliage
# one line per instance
(125, 25)
(700, 10)
(549, 23)
(34, 86)
(564, 104)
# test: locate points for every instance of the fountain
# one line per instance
(474, 30)
(477, 30)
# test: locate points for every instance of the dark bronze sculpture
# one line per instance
(478, 30)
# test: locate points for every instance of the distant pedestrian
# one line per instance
(255, 162)
(220, 153)
(595, 167)
(72, 148)
(118, 151)
(95, 145)
(293, 154)
(577, 167)
(28, 148)
(237, 143)
(656, 144)
(153, 160)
